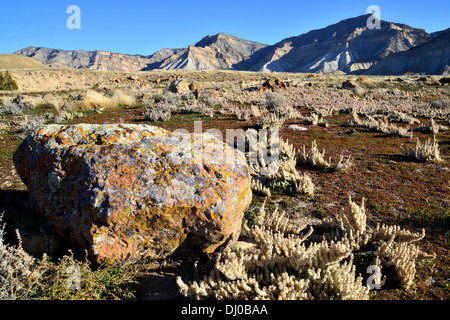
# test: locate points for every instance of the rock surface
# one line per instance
(179, 86)
(272, 84)
(348, 46)
(90, 99)
(349, 84)
(124, 192)
(432, 57)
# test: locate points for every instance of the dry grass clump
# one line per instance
(431, 127)
(424, 152)
(290, 263)
(316, 159)
(398, 116)
(378, 125)
(18, 274)
(276, 165)
(23, 276)
(160, 111)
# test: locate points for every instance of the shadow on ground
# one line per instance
(161, 284)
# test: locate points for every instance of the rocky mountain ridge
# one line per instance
(348, 46)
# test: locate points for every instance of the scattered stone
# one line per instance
(179, 86)
(126, 192)
(297, 127)
(349, 84)
(273, 84)
(444, 81)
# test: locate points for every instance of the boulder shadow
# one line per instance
(160, 284)
(396, 157)
(18, 215)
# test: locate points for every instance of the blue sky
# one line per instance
(143, 27)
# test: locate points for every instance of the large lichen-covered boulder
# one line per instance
(124, 192)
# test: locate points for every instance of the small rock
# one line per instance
(297, 127)
(349, 84)
(444, 81)
(24, 103)
(273, 84)
(179, 86)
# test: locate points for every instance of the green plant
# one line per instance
(7, 82)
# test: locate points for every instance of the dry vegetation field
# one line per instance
(384, 139)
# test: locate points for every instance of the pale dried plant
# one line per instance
(273, 270)
(270, 121)
(18, 274)
(424, 152)
(316, 159)
(338, 282)
(356, 216)
(398, 116)
(395, 233)
(315, 120)
(431, 127)
(243, 114)
(280, 171)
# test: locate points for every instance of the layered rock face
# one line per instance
(124, 192)
(432, 57)
(346, 46)
(94, 60)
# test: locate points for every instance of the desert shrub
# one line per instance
(431, 127)
(441, 104)
(378, 125)
(275, 101)
(18, 274)
(279, 171)
(316, 159)
(205, 110)
(160, 111)
(18, 105)
(300, 262)
(104, 283)
(7, 82)
(427, 151)
(31, 123)
(358, 92)
(315, 120)
(169, 97)
(23, 276)
(11, 108)
(270, 121)
(120, 98)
